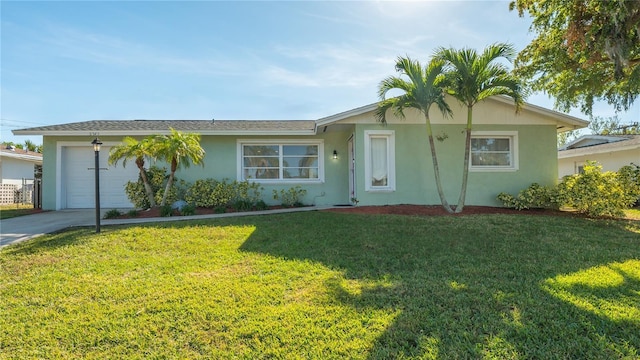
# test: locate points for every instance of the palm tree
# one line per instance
(138, 150)
(473, 77)
(422, 89)
(30, 146)
(179, 150)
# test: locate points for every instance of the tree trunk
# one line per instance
(465, 170)
(436, 168)
(174, 167)
(145, 182)
(147, 188)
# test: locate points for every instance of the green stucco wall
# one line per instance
(221, 163)
(415, 182)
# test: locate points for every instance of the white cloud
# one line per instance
(113, 51)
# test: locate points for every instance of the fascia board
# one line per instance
(584, 151)
(162, 132)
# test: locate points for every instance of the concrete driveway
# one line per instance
(27, 227)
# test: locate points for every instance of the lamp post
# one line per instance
(96, 149)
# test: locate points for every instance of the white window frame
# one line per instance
(240, 157)
(513, 147)
(391, 160)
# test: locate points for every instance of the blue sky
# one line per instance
(68, 61)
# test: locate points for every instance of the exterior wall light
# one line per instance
(335, 154)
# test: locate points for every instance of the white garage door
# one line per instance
(78, 179)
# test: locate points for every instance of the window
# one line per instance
(379, 165)
(280, 161)
(494, 151)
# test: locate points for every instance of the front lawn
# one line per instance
(319, 285)
(14, 210)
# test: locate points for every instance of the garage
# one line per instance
(78, 179)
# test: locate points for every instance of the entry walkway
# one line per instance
(27, 227)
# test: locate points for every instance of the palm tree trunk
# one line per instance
(147, 188)
(166, 189)
(465, 170)
(436, 168)
(174, 167)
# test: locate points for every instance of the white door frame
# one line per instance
(352, 169)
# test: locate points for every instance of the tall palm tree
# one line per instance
(131, 148)
(422, 89)
(473, 77)
(178, 150)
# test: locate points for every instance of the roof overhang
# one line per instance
(158, 132)
(564, 121)
(598, 149)
(25, 157)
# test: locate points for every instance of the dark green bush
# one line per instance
(242, 205)
(261, 205)
(188, 210)
(166, 211)
(133, 213)
(112, 214)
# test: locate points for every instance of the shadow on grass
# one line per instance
(65, 237)
(476, 286)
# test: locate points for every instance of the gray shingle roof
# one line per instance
(20, 154)
(629, 142)
(222, 127)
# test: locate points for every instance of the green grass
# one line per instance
(318, 285)
(14, 210)
(633, 214)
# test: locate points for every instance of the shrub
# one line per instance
(112, 214)
(629, 176)
(166, 211)
(157, 179)
(242, 205)
(133, 213)
(595, 193)
(188, 210)
(212, 193)
(261, 205)
(246, 191)
(290, 197)
(533, 197)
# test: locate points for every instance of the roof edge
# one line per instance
(574, 122)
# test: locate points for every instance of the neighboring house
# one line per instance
(373, 163)
(17, 170)
(17, 165)
(610, 151)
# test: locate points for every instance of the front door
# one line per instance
(352, 170)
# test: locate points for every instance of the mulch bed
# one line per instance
(437, 210)
(155, 212)
(405, 209)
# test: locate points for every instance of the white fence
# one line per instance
(17, 194)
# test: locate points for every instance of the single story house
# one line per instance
(17, 171)
(337, 159)
(610, 151)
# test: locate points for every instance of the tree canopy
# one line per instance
(423, 86)
(471, 77)
(584, 51)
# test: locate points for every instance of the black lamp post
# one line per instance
(96, 149)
